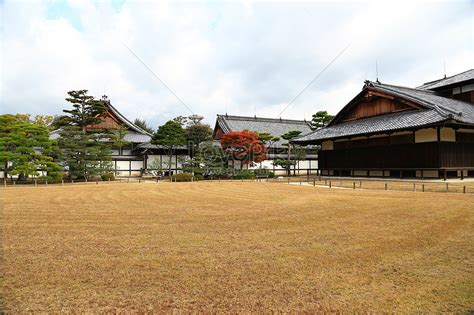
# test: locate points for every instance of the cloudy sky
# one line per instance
(243, 58)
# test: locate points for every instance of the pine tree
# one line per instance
(143, 125)
(25, 148)
(86, 151)
(170, 136)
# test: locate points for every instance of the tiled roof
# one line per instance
(135, 137)
(275, 126)
(435, 109)
(135, 134)
(458, 78)
(125, 121)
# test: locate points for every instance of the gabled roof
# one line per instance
(433, 109)
(275, 126)
(465, 76)
(134, 134)
(125, 121)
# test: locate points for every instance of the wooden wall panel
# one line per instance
(420, 155)
(374, 107)
(107, 123)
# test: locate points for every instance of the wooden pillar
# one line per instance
(445, 175)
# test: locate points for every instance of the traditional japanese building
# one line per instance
(136, 156)
(276, 127)
(389, 130)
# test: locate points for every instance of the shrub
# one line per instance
(263, 172)
(182, 177)
(245, 174)
(198, 177)
(108, 176)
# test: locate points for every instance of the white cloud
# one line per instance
(246, 58)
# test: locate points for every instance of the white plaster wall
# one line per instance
(426, 135)
(427, 174)
(136, 165)
(123, 165)
(447, 134)
(376, 173)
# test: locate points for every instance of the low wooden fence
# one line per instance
(462, 187)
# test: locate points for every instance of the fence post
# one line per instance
(288, 180)
(447, 188)
(463, 189)
(36, 182)
(353, 185)
(300, 181)
(329, 184)
(5, 183)
(385, 186)
(325, 182)
(360, 184)
(422, 187)
(62, 182)
(314, 182)
(14, 183)
(46, 183)
(414, 187)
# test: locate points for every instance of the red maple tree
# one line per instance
(244, 146)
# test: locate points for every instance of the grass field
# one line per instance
(235, 247)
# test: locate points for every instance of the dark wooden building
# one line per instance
(396, 131)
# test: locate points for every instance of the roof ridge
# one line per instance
(439, 108)
(225, 116)
(445, 78)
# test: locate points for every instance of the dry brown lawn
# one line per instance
(235, 247)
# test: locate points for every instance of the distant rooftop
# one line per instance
(457, 78)
(275, 126)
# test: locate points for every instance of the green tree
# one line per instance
(170, 136)
(25, 148)
(143, 125)
(320, 119)
(267, 137)
(208, 161)
(197, 134)
(119, 138)
(288, 162)
(86, 149)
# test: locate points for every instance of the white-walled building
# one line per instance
(277, 150)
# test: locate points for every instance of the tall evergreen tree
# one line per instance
(288, 163)
(86, 151)
(170, 136)
(142, 124)
(25, 148)
(320, 119)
